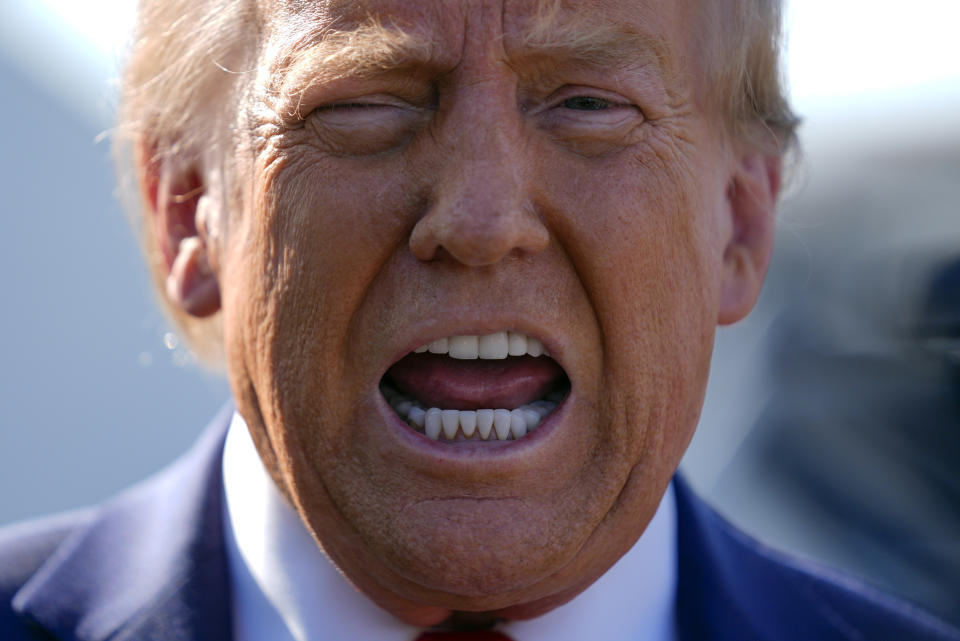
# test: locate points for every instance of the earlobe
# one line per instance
(175, 200)
(191, 283)
(752, 201)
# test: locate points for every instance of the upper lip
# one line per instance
(437, 330)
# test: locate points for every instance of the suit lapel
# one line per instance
(732, 588)
(151, 565)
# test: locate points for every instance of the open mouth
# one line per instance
(495, 387)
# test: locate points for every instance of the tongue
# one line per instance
(437, 380)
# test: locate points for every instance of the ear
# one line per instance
(178, 205)
(752, 202)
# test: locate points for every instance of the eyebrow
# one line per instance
(583, 38)
(372, 48)
(368, 49)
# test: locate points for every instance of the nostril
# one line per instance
(423, 245)
(476, 238)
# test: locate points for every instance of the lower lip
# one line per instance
(470, 449)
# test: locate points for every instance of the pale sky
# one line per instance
(872, 47)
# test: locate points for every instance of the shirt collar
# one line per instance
(285, 588)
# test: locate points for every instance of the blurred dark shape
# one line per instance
(941, 317)
(856, 459)
(939, 325)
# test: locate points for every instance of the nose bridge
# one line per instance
(481, 208)
(481, 130)
(485, 165)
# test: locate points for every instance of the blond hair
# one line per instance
(747, 84)
(187, 58)
(180, 67)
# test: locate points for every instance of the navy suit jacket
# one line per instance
(151, 564)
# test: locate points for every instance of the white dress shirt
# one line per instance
(285, 588)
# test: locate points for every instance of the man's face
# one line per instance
(475, 168)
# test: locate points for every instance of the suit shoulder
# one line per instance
(24, 548)
(845, 603)
(731, 581)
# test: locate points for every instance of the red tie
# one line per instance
(474, 635)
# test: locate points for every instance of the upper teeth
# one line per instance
(489, 346)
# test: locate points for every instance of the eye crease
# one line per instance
(587, 103)
(343, 106)
(350, 105)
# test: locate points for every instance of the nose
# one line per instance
(482, 208)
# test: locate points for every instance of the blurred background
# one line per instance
(832, 421)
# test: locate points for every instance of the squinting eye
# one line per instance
(590, 121)
(351, 105)
(586, 103)
(365, 126)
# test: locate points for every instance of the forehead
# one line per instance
(664, 29)
(459, 10)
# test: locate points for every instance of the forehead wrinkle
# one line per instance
(365, 50)
(557, 32)
(350, 48)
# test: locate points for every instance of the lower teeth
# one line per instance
(484, 424)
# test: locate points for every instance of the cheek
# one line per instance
(327, 230)
(643, 246)
(308, 249)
